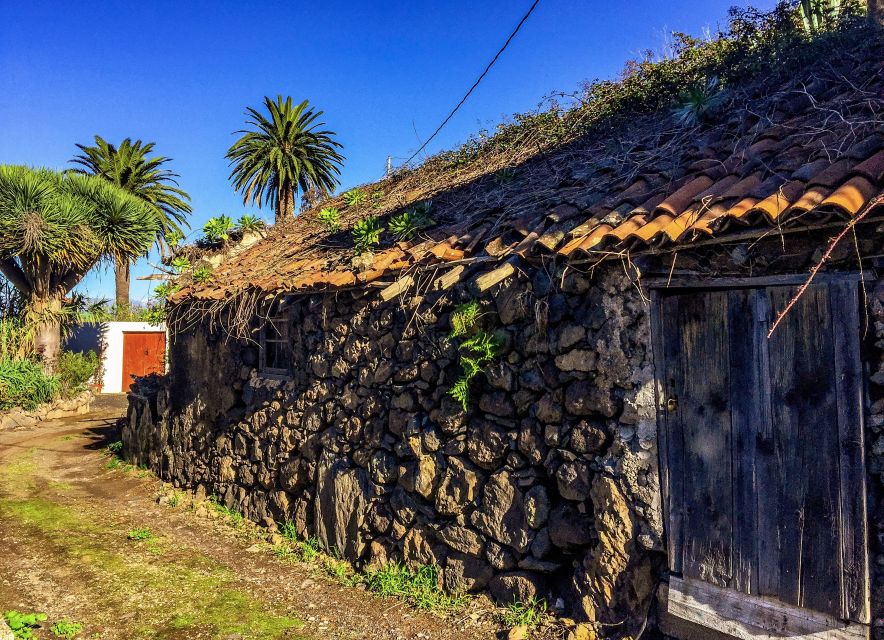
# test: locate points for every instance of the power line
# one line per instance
(476, 83)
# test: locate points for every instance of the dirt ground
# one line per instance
(66, 521)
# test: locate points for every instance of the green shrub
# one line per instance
(75, 370)
(24, 383)
(16, 339)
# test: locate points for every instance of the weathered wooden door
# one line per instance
(143, 353)
(762, 443)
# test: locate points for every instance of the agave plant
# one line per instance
(698, 103)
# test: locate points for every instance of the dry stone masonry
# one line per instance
(546, 487)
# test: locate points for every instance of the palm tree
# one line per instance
(287, 152)
(54, 227)
(128, 166)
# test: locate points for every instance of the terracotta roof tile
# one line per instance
(676, 203)
(852, 195)
(781, 158)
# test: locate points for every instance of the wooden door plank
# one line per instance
(751, 617)
(660, 394)
(767, 463)
(803, 406)
(844, 307)
(746, 418)
(704, 415)
(672, 379)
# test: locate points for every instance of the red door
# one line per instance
(143, 353)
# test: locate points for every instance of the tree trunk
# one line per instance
(285, 204)
(47, 340)
(121, 276)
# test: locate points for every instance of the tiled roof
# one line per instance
(801, 153)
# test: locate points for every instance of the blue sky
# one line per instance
(385, 72)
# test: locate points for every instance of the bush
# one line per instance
(24, 383)
(75, 370)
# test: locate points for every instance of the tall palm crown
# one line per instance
(288, 151)
(128, 166)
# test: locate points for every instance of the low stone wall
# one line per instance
(547, 486)
(19, 418)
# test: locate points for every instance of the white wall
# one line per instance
(112, 357)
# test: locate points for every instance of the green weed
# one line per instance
(234, 516)
(250, 224)
(419, 587)
(217, 229)
(66, 629)
(180, 263)
(140, 535)
(174, 499)
(528, 614)
(23, 624)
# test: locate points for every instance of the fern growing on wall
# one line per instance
(478, 350)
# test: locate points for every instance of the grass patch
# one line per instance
(529, 614)
(192, 594)
(419, 587)
(233, 516)
(141, 534)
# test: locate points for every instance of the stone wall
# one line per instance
(547, 486)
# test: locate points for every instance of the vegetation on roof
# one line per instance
(688, 81)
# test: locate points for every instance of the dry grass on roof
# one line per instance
(795, 129)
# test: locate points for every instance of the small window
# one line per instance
(275, 347)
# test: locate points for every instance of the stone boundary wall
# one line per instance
(18, 418)
(547, 486)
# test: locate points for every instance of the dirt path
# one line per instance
(65, 525)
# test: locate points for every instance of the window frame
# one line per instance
(280, 320)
